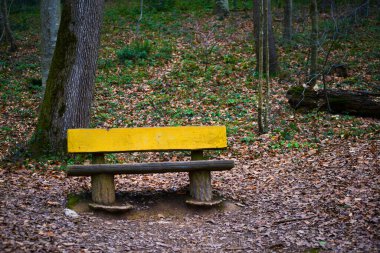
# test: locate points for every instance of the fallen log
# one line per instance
(360, 103)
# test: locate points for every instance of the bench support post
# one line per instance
(103, 185)
(200, 181)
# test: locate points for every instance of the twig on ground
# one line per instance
(293, 219)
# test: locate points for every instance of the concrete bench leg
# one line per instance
(200, 185)
(103, 185)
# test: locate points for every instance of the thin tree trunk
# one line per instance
(222, 9)
(70, 85)
(260, 55)
(6, 28)
(364, 10)
(273, 64)
(140, 18)
(50, 16)
(288, 12)
(267, 85)
(314, 44)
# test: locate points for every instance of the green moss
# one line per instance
(53, 100)
(72, 200)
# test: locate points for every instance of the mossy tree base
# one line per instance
(336, 101)
(70, 84)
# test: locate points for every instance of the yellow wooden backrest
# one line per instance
(146, 139)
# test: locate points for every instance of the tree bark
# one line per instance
(222, 9)
(312, 79)
(288, 19)
(50, 12)
(70, 84)
(6, 28)
(273, 64)
(340, 101)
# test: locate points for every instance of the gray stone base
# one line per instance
(213, 202)
(111, 209)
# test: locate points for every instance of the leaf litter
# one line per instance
(310, 185)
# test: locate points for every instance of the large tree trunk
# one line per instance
(5, 27)
(340, 101)
(70, 85)
(222, 9)
(287, 24)
(273, 64)
(50, 12)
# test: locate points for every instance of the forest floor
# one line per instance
(311, 184)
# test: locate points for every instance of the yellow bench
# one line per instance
(193, 138)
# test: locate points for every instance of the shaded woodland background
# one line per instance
(310, 183)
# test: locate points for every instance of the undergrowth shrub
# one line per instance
(145, 52)
(137, 50)
(163, 5)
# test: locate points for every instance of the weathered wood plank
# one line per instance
(146, 139)
(200, 181)
(102, 185)
(145, 168)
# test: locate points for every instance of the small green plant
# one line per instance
(137, 50)
(164, 52)
(293, 144)
(163, 5)
(144, 53)
(230, 59)
(232, 130)
(105, 63)
(249, 138)
(111, 158)
(189, 112)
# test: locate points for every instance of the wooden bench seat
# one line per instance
(195, 139)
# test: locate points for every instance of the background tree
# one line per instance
(326, 5)
(264, 85)
(273, 64)
(222, 9)
(235, 4)
(267, 107)
(287, 24)
(260, 60)
(70, 85)
(50, 16)
(6, 32)
(314, 44)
